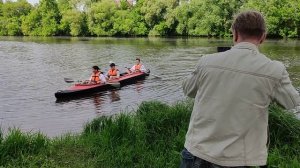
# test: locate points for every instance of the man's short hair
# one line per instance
(96, 67)
(249, 24)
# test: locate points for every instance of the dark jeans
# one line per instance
(191, 161)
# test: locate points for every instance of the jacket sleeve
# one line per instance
(285, 94)
(191, 83)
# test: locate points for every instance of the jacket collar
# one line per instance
(246, 45)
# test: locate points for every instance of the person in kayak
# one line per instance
(113, 73)
(96, 77)
(138, 67)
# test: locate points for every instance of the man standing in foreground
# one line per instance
(232, 91)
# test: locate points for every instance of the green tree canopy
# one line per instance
(73, 21)
(159, 16)
(147, 17)
(100, 18)
(12, 14)
(43, 20)
(282, 16)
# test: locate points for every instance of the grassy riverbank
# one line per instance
(152, 136)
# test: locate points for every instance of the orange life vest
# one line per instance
(96, 77)
(113, 72)
(138, 67)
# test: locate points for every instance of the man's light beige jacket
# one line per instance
(232, 91)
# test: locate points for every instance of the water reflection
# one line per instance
(139, 86)
(114, 95)
(98, 101)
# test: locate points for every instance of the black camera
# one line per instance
(222, 49)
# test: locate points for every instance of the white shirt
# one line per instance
(143, 69)
(102, 78)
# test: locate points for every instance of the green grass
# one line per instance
(152, 136)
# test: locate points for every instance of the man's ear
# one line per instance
(235, 36)
(263, 38)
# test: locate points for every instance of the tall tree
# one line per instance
(282, 16)
(159, 16)
(73, 23)
(129, 20)
(100, 18)
(73, 20)
(12, 14)
(42, 21)
(217, 21)
(183, 14)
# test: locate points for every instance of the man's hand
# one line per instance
(296, 112)
(298, 90)
(298, 116)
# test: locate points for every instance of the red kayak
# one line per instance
(82, 89)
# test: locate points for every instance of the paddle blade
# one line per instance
(156, 76)
(114, 84)
(68, 80)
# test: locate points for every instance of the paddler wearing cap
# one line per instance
(96, 77)
(113, 72)
(138, 67)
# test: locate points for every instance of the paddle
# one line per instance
(113, 84)
(68, 80)
(156, 76)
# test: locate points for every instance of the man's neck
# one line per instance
(253, 41)
(238, 38)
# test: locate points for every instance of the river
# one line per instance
(32, 70)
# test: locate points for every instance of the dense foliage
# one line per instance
(153, 136)
(146, 17)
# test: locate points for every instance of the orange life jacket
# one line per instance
(138, 67)
(113, 72)
(96, 77)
